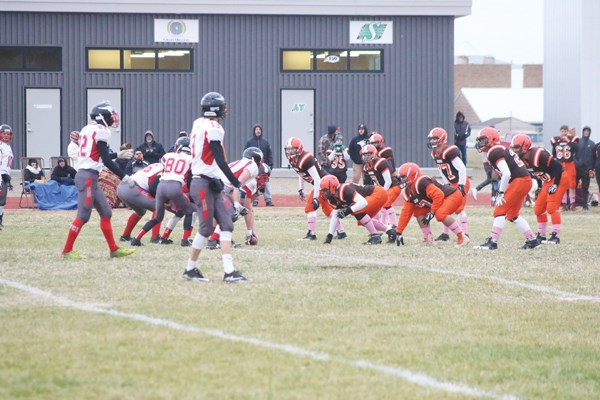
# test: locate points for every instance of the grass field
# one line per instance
(344, 321)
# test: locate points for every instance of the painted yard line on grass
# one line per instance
(561, 294)
(390, 370)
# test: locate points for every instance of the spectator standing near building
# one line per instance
(462, 130)
(260, 142)
(151, 149)
(6, 159)
(93, 156)
(325, 145)
(585, 159)
(136, 163)
(354, 149)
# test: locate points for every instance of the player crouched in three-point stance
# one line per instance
(308, 169)
(555, 184)
(426, 199)
(93, 156)
(515, 183)
(364, 202)
(206, 189)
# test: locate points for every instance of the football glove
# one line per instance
(399, 239)
(315, 204)
(552, 189)
(427, 218)
(301, 195)
(344, 212)
(328, 239)
(500, 199)
(5, 178)
(461, 188)
(129, 181)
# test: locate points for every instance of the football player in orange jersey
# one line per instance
(426, 199)
(383, 174)
(308, 169)
(564, 148)
(555, 183)
(515, 183)
(452, 171)
(364, 202)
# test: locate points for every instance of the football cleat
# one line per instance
(125, 238)
(186, 242)
(269, 203)
(166, 241)
(374, 239)
(72, 255)
(341, 235)
(235, 245)
(462, 240)
(444, 237)
(541, 238)
(155, 240)
(428, 240)
(531, 244)
(554, 239)
(391, 233)
(235, 277)
(136, 242)
(121, 252)
(194, 275)
(490, 244)
(213, 245)
(309, 236)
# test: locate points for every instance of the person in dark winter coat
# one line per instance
(462, 130)
(260, 142)
(585, 158)
(151, 149)
(136, 163)
(354, 148)
(63, 173)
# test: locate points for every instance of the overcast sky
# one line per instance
(509, 30)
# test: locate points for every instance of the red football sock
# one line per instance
(73, 233)
(131, 223)
(106, 228)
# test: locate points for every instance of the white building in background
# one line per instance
(571, 65)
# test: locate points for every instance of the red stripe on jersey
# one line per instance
(536, 157)
(237, 167)
(419, 179)
(341, 190)
(207, 155)
(303, 160)
(447, 149)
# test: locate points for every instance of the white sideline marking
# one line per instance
(406, 374)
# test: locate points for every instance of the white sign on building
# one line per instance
(176, 30)
(372, 32)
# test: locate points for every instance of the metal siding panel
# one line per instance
(239, 56)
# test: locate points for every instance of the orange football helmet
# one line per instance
(520, 144)
(437, 137)
(293, 147)
(376, 140)
(408, 174)
(488, 137)
(329, 185)
(368, 153)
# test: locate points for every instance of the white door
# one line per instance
(42, 121)
(297, 119)
(95, 96)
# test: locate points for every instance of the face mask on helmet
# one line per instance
(368, 153)
(520, 144)
(408, 174)
(329, 185)
(293, 147)
(213, 105)
(253, 153)
(104, 114)
(376, 140)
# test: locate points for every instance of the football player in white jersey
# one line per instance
(93, 156)
(206, 189)
(6, 159)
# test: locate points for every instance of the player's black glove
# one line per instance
(301, 195)
(552, 189)
(315, 204)
(399, 239)
(461, 188)
(5, 178)
(328, 239)
(427, 218)
(344, 212)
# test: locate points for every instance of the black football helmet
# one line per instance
(104, 113)
(6, 133)
(213, 105)
(253, 153)
(182, 145)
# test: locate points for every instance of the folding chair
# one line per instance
(54, 161)
(27, 196)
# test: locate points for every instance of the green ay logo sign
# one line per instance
(298, 107)
(371, 32)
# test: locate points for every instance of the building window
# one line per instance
(332, 60)
(139, 59)
(31, 58)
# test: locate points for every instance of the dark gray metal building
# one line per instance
(295, 67)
